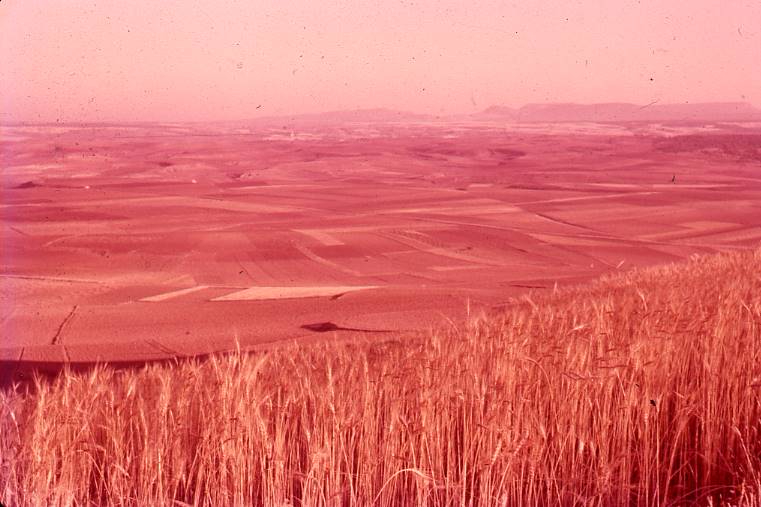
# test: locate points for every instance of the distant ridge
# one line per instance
(616, 112)
(530, 113)
(538, 113)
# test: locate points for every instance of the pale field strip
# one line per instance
(692, 229)
(456, 268)
(710, 225)
(13, 137)
(264, 293)
(321, 235)
(50, 279)
(223, 205)
(327, 238)
(325, 262)
(604, 209)
(569, 128)
(422, 246)
(30, 169)
(173, 294)
(558, 239)
(670, 131)
(616, 185)
(473, 224)
(62, 238)
(195, 202)
(56, 228)
(745, 234)
(690, 186)
(464, 210)
(446, 252)
(462, 207)
(276, 186)
(597, 235)
(586, 198)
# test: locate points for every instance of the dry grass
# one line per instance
(643, 389)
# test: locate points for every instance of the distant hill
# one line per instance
(539, 113)
(614, 112)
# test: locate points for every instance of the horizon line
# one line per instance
(454, 115)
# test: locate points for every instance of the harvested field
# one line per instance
(290, 292)
(167, 237)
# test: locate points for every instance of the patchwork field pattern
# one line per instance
(147, 241)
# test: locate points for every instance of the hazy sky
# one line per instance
(217, 59)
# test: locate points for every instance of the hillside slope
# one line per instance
(639, 389)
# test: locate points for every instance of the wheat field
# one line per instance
(639, 389)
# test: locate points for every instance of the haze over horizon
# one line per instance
(193, 61)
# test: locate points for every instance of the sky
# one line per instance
(187, 60)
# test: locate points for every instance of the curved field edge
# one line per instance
(638, 389)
